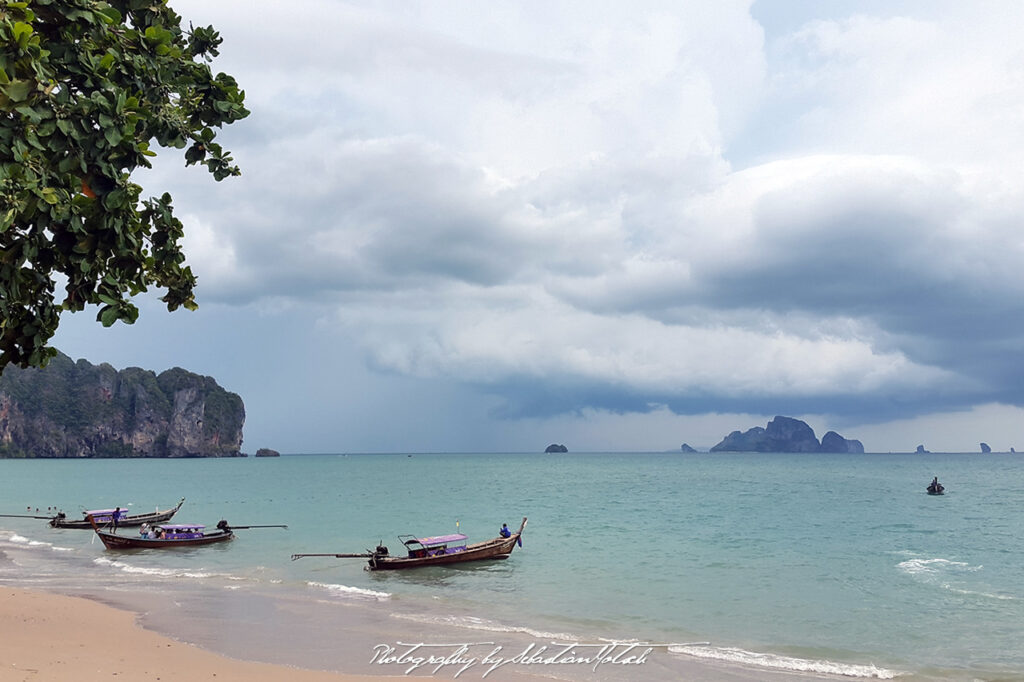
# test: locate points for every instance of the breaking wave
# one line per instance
(788, 663)
(350, 591)
(474, 623)
(161, 572)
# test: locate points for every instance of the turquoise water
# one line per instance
(826, 563)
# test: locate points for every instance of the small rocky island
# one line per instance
(77, 409)
(687, 449)
(785, 434)
(267, 452)
(555, 447)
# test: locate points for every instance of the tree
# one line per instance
(85, 87)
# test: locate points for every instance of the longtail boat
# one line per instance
(163, 536)
(438, 550)
(105, 516)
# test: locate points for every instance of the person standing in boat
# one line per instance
(115, 517)
(505, 532)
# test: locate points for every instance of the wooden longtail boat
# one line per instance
(167, 535)
(164, 536)
(104, 516)
(439, 550)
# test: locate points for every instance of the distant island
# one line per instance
(77, 409)
(554, 447)
(687, 449)
(267, 452)
(785, 434)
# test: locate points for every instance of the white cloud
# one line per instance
(647, 201)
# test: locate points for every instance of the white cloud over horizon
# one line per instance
(615, 223)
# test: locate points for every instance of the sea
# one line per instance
(633, 566)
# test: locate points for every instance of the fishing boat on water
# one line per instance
(105, 516)
(164, 536)
(438, 550)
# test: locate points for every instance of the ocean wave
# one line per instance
(28, 542)
(938, 571)
(934, 566)
(789, 663)
(474, 623)
(161, 572)
(979, 593)
(350, 591)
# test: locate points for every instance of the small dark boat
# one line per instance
(936, 489)
(104, 516)
(438, 550)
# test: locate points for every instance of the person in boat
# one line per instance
(144, 530)
(505, 532)
(934, 486)
(115, 517)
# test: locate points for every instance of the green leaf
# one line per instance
(18, 90)
(111, 15)
(113, 136)
(21, 32)
(108, 315)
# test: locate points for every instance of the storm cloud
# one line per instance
(578, 212)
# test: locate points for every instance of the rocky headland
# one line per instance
(785, 434)
(77, 409)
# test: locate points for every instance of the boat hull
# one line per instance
(130, 521)
(115, 541)
(498, 548)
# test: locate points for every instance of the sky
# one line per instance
(488, 227)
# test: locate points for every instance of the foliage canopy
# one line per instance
(85, 87)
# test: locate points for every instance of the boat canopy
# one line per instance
(102, 512)
(439, 540)
(181, 526)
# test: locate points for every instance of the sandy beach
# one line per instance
(54, 637)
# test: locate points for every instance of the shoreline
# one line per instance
(56, 636)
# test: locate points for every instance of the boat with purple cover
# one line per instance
(438, 550)
(104, 516)
(166, 535)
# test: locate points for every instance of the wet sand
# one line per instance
(55, 637)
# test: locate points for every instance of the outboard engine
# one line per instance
(381, 550)
(223, 525)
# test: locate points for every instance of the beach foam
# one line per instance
(350, 591)
(161, 572)
(788, 663)
(474, 623)
(23, 541)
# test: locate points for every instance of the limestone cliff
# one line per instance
(785, 434)
(76, 409)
